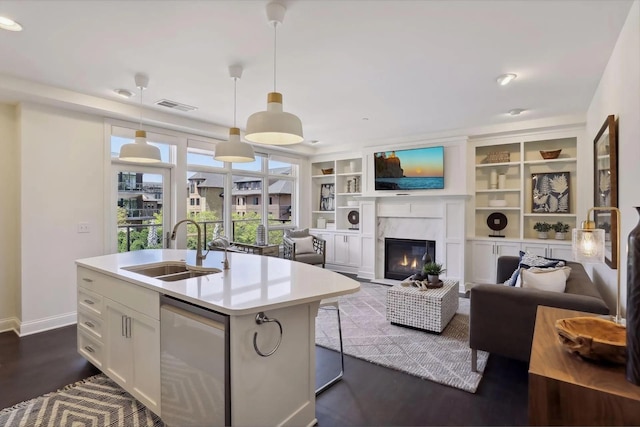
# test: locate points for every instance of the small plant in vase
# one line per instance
(433, 270)
(561, 229)
(543, 229)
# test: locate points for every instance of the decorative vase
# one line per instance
(559, 235)
(543, 234)
(502, 181)
(260, 235)
(493, 179)
(633, 305)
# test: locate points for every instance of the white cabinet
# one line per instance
(484, 256)
(347, 249)
(119, 332)
(549, 250)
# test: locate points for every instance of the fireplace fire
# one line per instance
(403, 257)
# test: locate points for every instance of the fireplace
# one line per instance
(403, 257)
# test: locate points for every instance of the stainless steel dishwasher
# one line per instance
(194, 365)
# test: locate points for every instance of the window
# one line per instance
(208, 209)
(256, 201)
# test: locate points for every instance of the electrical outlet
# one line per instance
(83, 227)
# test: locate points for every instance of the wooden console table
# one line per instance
(565, 390)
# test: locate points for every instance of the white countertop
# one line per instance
(253, 283)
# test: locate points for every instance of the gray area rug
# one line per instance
(96, 401)
(367, 335)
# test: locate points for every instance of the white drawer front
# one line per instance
(90, 323)
(90, 301)
(90, 348)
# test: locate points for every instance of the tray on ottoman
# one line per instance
(429, 309)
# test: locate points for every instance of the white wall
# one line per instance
(61, 172)
(9, 219)
(618, 93)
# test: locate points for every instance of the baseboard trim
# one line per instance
(47, 323)
(10, 324)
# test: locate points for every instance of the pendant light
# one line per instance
(274, 126)
(234, 150)
(140, 151)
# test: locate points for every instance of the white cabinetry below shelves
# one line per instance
(549, 250)
(484, 257)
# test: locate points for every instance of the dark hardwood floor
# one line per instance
(368, 394)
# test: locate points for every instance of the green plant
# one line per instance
(542, 227)
(560, 227)
(433, 268)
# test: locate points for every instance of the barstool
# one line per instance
(332, 304)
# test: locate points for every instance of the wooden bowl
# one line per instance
(593, 338)
(548, 155)
(327, 171)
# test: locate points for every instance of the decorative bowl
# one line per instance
(552, 154)
(593, 338)
(328, 171)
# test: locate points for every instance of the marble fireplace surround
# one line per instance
(441, 219)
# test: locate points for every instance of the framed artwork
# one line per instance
(605, 185)
(550, 192)
(327, 197)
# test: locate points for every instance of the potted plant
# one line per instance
(543, 229)
(433, 270)
(560, 228)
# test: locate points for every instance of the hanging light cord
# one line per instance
(235, 86)
(141, 89)
(275, 26)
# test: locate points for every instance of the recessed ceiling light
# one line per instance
(365, 118)
(314, 141)
(124, 93)
(9, 24)
(505, 79)
(516, 111)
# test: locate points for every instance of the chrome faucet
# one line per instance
(199, 255)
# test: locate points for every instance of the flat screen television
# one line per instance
(411, 169)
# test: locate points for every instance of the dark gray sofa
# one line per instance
(502, 318)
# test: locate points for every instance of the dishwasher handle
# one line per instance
(260, 319)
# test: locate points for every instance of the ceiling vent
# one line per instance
(175, 105)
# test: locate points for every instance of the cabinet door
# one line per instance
(483, 261)
(145, 342)
(507, 249)
(341, 246)
(561, 252)
(329, 249)
(540, 249)
(117, 348)
(353, 249)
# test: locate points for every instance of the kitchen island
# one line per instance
(119, 328)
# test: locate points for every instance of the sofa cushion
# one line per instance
(304, 245)
(310, 258)
(528, 260)
(303, 232)
(545, 279)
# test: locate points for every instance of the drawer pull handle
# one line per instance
(89, 324)
(89, 349)
(87, 279)
(88, 301)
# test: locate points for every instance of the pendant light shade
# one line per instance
(234, 150)
(140, 151)
(274, 126)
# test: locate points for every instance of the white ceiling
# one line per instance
(410, 67)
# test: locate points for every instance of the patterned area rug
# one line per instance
(367, 335)
(95, 402)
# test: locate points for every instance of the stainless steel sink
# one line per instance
(170, 271)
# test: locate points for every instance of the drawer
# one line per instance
(90, 348)
(132, 295)
(90, 323)
(90, 301)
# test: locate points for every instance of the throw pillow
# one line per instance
(304, 245)
(530, 260)
(537, 270)
(552, 280)
(304, 232)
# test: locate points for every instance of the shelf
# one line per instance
(566, 215)
(348, 194)
(497, 208)
(544, 162)
(323, 212)
(348, 207)
(349, 174)
(322, 176)
(493, 165)
(501, 190)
